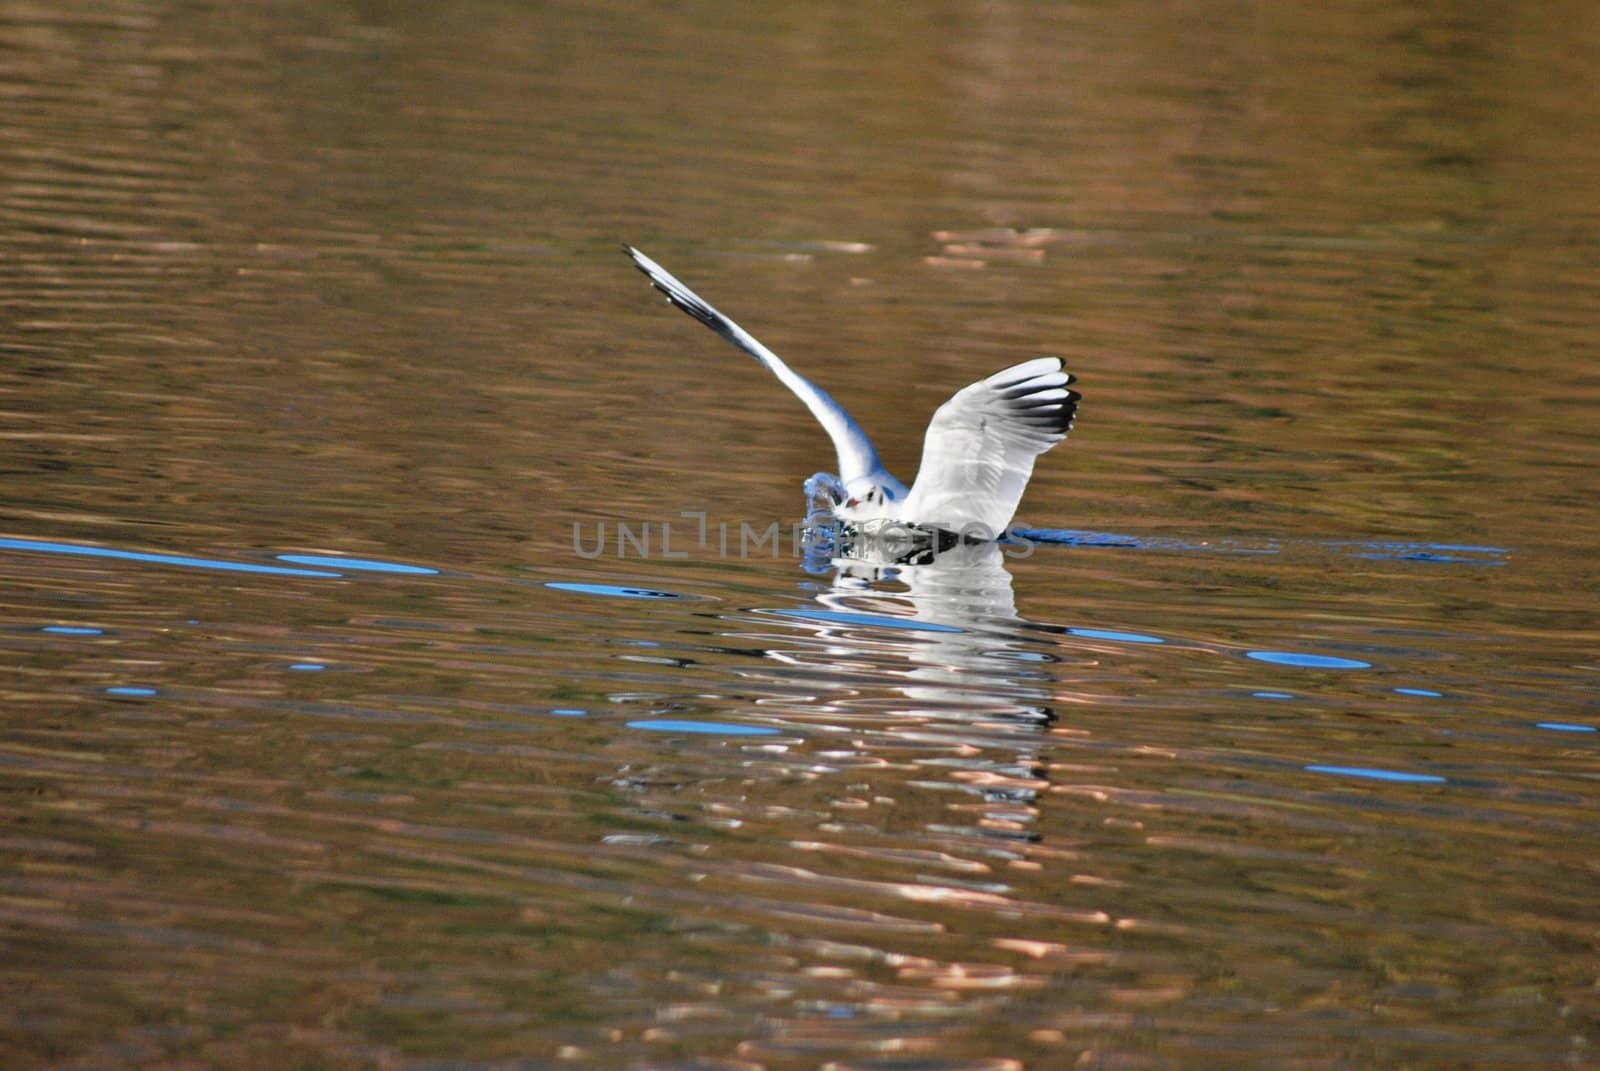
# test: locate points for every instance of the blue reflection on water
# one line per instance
(307, 667)
(1424, 692)
(1455, 553)
(1109, 634)
(1306, 661)
(73, 630)
(1378, 775)
(569, 712)
(365, 565)
(129, 690)
(1566, 727)
(612, 590)
(1273, 695)
(156, 559)
(1075, 537)
(710, 728)
(842, 618)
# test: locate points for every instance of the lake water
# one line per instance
(407, 663)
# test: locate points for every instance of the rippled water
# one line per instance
(408, 662)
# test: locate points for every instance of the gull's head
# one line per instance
(866, 498)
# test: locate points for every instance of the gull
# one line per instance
(978, 452)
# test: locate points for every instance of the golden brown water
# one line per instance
(319, 365)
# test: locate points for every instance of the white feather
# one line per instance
(980, 446)
(858, 461)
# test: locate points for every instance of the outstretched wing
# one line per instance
(857, 458)
(980, 447)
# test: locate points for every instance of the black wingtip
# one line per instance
(1061, 366)
(1032, 399)
(681, 297)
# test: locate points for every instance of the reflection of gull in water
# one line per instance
(978, 452)
(964, 586)
(955, 667)
(959, 601)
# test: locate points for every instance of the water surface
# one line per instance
(407, 658)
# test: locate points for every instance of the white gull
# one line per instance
(979, 449)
